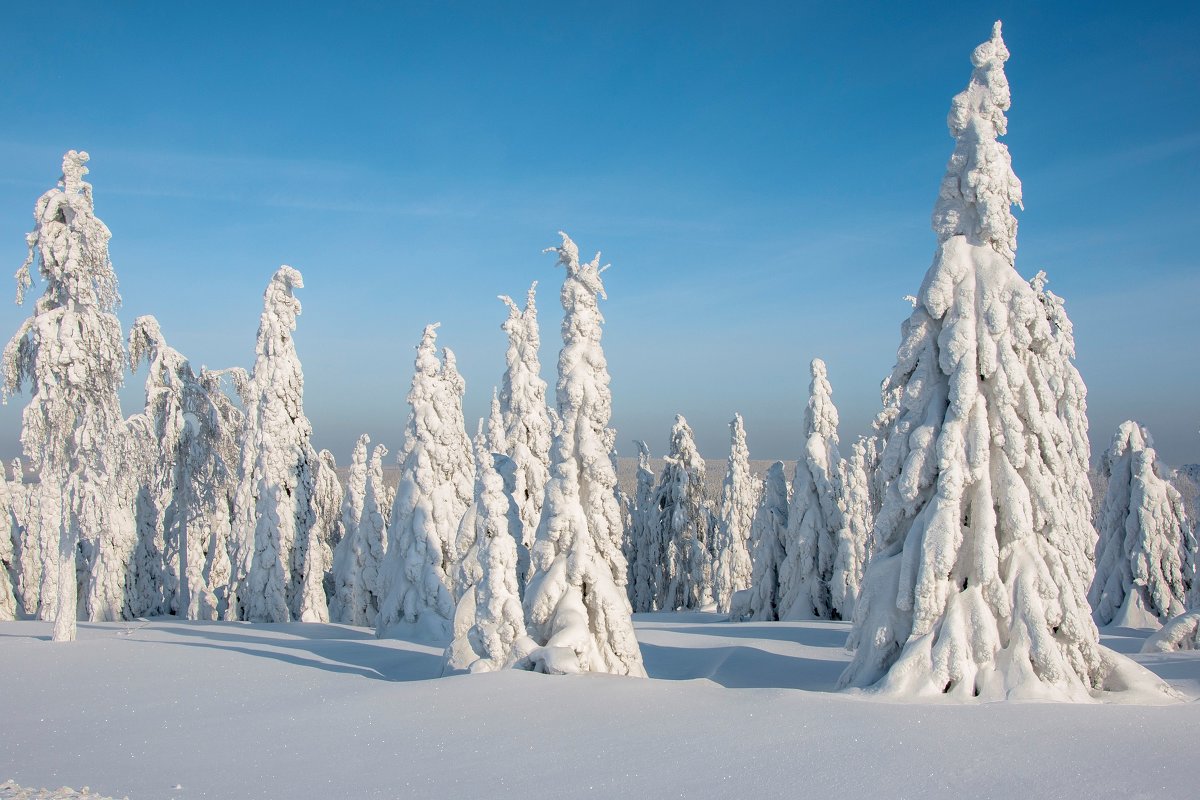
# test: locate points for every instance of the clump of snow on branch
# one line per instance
(576, 607)
(1143, 567)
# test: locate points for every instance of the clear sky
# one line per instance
(759, 174)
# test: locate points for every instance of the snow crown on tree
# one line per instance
(980, 188)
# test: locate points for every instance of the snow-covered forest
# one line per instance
(964, 551)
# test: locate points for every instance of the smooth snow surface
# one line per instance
(228, 710)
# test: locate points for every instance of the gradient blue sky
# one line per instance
(760, 176)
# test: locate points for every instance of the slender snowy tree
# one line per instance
(526, 419)
(70, 352)
(347, 601)
(853, 539)
(430, 501)
(276, 513)
(814, 519)
(768, 533)
(217, 465)
(489, 624)
(646, 558)
(977, 588)
(733, 569)
(327, 501)
(1142, 558)
(495, 428)
(576, 607)
(681, 526)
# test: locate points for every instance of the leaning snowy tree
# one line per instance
(526, 418)
(276, 512)
(815, 519)
(733, 570)
(575, 604)
(978, 585)
(431, 499)
(1143, 568)
(70, 352)
(681, 526)
(768, 532)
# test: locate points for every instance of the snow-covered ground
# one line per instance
(173, 709)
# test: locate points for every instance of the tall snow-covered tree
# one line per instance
(8, 563)
(814, 519)
(489, 623)
(1143, 567)
(318, 558)
(70, 352)
(681, 526)
(575, 604)
(646, 563)
(853, 539)
(430, 501)
(276, 513)
(733, 569)
(217, 460)
(768, 533)
(977, 587)
(526, 417)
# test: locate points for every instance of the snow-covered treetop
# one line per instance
(280, 309)
(579, 292)
(70, 245)
(821, 416)
(980, 188)
(495, 427)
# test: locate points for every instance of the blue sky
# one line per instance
(760, 176)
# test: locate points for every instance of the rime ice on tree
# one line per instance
(853, 539)
(681, 526)
(576, 607)
(814, 519)
(430, 501)
(71, 354)
(1143, 555)
(646, 559)
(276, 513)
(526, 418)
(977, 587)
(732, 569)
(768, 532)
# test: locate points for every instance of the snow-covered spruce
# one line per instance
(9, 537)
(853, 540)
(489, 623)
(430, 501)
(976, 588)
(276, 513)
(768, 532)
(346, 600)
(814, 519)
(526, 419)
(575, 604)
(317, 559)
(1143, 568)
(732, 570)
(220, 480)
(646, 562)
(681, 526)
(70, 353)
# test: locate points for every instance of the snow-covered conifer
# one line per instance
(526, 417)
(70, 352)
(327, 500)
(1142, 557)
(430, 500)
(853, 539)
(814, 519)
(8, 563)
(733, 568)
(768, 532)
(645, 558)
(217, 463)
(347, 592)
(576, 607)
(495, 427)
(276, 513)
(976, 588)
(681, 526)
(489, 623)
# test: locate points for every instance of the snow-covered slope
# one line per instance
(225, 710)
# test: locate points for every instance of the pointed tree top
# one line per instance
(73, 171)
